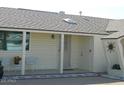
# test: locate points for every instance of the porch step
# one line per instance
(68, 69)
(48, 76)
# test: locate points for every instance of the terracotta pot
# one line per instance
(17, 60)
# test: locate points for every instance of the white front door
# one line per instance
(86, 54)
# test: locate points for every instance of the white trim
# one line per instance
(28, 51)
(19, 51)
(62, 53)
(23, 53)
(51, 32)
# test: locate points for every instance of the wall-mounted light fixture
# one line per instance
(53, 36)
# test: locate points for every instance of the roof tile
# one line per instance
(23, 18)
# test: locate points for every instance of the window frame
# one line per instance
(3, 39)
(4, 46)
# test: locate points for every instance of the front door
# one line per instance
(86, 53)
(67, 49)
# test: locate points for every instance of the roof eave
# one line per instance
(33, 30)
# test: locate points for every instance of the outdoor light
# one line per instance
(53, 36)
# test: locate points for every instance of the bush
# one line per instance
(116, 66)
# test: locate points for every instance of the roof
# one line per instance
(115, 25)
(32, 19)
(116, 35)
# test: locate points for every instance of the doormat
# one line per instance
(48, 76)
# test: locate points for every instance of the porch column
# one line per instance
(62, 53)
(23, 53)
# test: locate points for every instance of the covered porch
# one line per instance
(49, 53)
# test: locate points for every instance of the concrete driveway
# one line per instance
(64, 81)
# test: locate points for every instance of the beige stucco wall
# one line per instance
(100, 61)
(115, 56)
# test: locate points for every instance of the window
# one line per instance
(12, 41)
(70, 21)
(1, 40)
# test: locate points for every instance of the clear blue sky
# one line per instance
(98, 8)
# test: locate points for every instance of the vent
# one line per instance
(70, 21)
(62, 12)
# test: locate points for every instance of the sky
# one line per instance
(113, 9)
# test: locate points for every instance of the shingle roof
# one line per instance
(115, 25)
(116, 35)
(32, 19)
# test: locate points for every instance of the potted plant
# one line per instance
(116, 67)
(17, 60)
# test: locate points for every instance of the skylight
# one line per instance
(70, 21)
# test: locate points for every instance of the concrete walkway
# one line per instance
(65, 81)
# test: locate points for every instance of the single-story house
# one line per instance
(34, 41)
